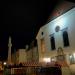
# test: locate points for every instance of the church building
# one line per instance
(56, 39)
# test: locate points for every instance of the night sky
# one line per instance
(21, 20)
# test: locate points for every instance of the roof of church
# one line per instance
(61, 8)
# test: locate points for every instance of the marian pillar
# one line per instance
(9, 50)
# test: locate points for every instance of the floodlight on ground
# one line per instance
(46, 60)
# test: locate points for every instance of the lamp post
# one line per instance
(4, 63)
(4, 66)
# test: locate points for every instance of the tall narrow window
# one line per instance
(42, 45)
(65, 38)
(52, 40)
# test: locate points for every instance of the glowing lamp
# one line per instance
(4, 63)
(46, 60)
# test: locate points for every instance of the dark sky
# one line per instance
(21, 20)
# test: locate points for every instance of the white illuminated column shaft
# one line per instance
(9, 51)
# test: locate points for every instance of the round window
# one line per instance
(57, 28)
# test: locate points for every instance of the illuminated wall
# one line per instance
(55, 28)
(32, 54)
(29, 54)
(20, 56)
(35, 54)
(64, 22)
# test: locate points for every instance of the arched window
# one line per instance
(65, 38)
(52, 40)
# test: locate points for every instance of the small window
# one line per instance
(52, 40)
(65, 38)
(72, 59)
(42, 33)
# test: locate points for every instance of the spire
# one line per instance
(9, 50)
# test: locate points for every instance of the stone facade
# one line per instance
(54, 34)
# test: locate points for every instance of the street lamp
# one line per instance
(4, 63)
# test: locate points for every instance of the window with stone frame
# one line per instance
(65, 38)
(52, 41)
